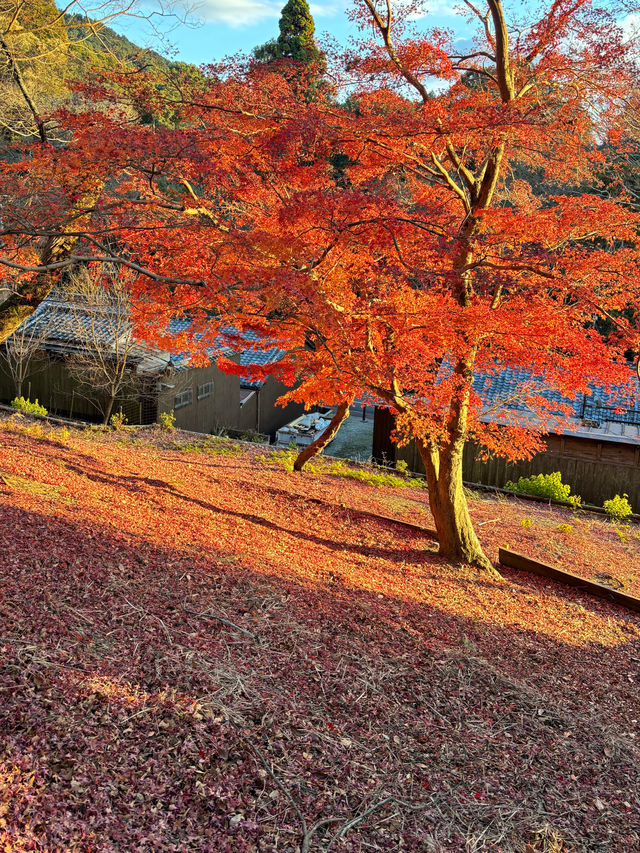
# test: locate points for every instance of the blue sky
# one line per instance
(227, 27)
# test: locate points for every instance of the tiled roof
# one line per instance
(507, 383)
(75, 327)
(64, 329)
(254, 354)
(261, 358)
(59, 323)
(600, 415)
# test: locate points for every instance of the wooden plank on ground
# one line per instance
(518, 561)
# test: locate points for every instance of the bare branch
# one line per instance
(385, 31)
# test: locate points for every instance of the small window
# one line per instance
(185, 398)
(205, 390)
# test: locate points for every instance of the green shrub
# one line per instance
(545, 486)
(118, 420)
(29, 408)
(618, 508)
(167, 420)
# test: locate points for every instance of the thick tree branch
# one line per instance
(503, 65)
(385, 31)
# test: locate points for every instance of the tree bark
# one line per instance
(448, 504)
(342, 413)
(443, 467)
(109, 409)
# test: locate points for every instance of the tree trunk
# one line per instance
(109, 409)
(18, 387)
(342, 413)
(448, 504)
(443, 467)
(26, 298)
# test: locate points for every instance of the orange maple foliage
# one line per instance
(395, 244)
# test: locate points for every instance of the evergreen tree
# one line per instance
(296, 39)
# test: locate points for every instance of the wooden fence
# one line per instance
(595, 470)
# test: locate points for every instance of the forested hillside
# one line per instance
(43, 52)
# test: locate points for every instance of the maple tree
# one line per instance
(395, 245)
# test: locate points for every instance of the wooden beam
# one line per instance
(518, 561)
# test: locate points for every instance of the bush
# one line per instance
(167, 420)
(118, 420)
(545, 486)
(618, 508)
(29, 408)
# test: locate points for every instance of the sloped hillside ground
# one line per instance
(196, 657)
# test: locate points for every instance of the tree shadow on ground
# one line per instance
(135, 719)
(137, 483)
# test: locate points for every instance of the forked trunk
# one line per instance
(448, 504)
(342, 413)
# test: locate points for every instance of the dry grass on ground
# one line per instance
(195, 657)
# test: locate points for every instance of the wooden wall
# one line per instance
(52, 385)
(595, 470)
(272, 416)
(217, 411)
(58, 392)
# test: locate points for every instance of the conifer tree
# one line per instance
(296, 39)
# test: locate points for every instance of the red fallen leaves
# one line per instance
(130, 722)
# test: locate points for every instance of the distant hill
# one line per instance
(106, 45)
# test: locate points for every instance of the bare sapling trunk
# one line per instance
(109, 409)
(342, 413)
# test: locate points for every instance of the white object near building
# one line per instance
(304, 429)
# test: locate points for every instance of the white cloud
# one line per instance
(238, 13)
(326, 10)
(630, 26)
(245, 13)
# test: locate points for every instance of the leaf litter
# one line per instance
(197, 657)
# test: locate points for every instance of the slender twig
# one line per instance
(209, 615)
